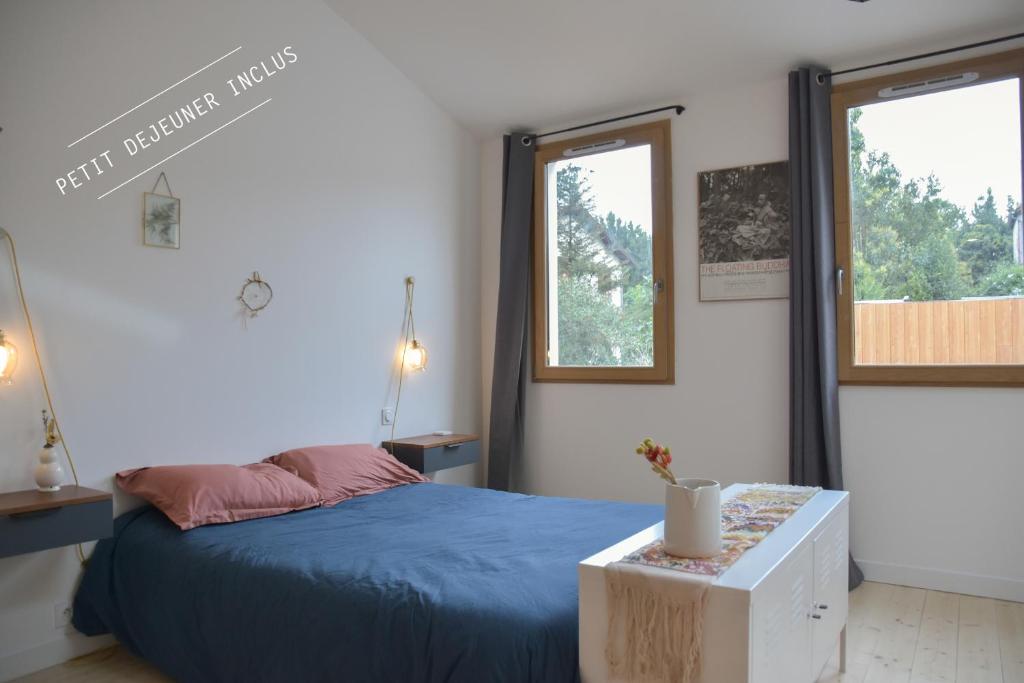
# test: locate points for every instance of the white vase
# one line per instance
(49, 473)
(693, 518)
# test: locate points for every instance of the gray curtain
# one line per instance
(814, 450)
(510, 340)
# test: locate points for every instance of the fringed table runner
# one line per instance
(746, 520)
(656, 617)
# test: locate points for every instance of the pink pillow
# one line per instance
(343, 472)
(194, 495)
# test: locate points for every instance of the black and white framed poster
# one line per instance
(744, 233)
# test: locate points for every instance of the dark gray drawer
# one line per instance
(443, 457)
(438, 457)
(51, 528)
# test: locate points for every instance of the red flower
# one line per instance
(659, 456)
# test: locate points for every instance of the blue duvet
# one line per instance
(423, 582)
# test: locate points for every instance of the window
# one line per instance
(928, 187)
(603, 258)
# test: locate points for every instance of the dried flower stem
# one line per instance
(664, 473)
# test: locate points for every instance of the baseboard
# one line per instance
(999, 587)
(49, 654)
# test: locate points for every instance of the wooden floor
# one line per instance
(896, 635)
(908, 635)
(112, 665)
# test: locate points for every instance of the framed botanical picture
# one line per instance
(744, 232)
(161, 220)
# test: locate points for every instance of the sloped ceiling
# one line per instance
(535, 63)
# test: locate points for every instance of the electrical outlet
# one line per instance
(61, 615)
(387, 415)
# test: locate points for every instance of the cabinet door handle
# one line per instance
(815, 616)
(821, 606)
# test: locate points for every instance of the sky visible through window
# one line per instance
(969, 138)
(620, 180)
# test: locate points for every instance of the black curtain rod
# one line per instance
(959, 48)
(678, 107)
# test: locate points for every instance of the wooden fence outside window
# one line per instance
(962, 332)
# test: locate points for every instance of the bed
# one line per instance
(423, 582)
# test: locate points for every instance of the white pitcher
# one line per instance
(693, 518)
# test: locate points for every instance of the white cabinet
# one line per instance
(779, 621)
(831, 587)
(773, 617)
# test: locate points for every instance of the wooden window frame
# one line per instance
(658, 136)
(989, 68)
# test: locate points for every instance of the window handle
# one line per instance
(658, 286)
(839, 281)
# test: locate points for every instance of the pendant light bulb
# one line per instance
(416, 356)
(8, 360)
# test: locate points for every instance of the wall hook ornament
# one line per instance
(255, 295)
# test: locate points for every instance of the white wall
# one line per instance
(935, 476)
(933, 472)
(347, 181)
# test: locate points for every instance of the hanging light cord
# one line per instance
(39, 364)
(408, 331)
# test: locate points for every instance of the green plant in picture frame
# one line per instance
(161, 221)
